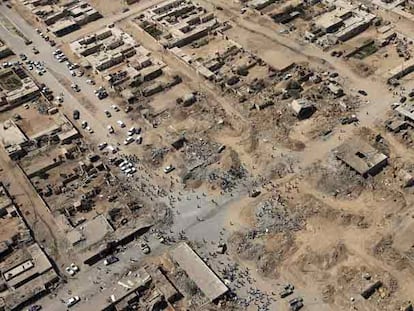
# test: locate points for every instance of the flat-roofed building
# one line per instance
(361, 157)
(63, 27)
(197, 270)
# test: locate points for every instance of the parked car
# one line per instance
(84, 124)
(145, 248)
(107, 113)
(362, 92)
(349, 120)
(102, 146)
(120, 123)
(128, 140)
(35, 308)
(75, 87)
(131, 131)
(70, 271)
(168, 169)
(72, 301)
(110, 260)
(287, 290)
(74, 267)
(110, 129)
(76, 114)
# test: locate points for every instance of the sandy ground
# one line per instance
(341, 239)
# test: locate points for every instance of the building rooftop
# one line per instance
(10, 134)
(361, 156)
(208, 282)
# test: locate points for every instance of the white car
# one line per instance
(130, 170)
(112, 149)
(70, 271)
(89, 129)
(123, 163)
(110, 129)
(72, 301)
(120, 123)
(74, 267)
(129, 140)
(131, 131)
(168, 169)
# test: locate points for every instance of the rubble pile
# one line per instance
(201, 151)
(338, 180)
(229, 179)
(274, 216)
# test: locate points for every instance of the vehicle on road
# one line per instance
(102, 95)
(76, 114)
(91, 82)
(75, 87)
(145, 248)
(168, 169)
(72, 301)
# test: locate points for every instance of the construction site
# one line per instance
(206, 155)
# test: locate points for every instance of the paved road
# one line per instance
(91, 109)
(186, 212)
